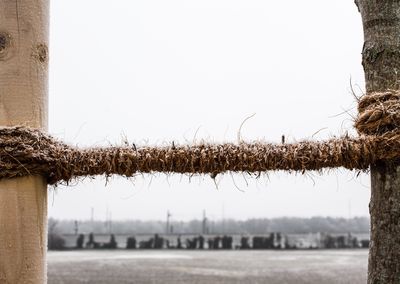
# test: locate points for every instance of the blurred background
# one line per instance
(186, 71)
(156, 71)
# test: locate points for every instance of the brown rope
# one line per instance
(379, 113)
(25, 151)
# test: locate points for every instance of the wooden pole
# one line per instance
(23, 101)
(381, 61)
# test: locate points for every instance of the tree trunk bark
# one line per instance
(23, 101)
(381, 61)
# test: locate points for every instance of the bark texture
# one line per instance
(381, 62)
(23, 100)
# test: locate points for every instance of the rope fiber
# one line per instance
(25, 151)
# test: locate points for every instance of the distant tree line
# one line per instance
(285, 225)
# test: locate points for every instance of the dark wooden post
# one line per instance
(381, 61)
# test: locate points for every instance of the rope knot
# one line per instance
(379, 113)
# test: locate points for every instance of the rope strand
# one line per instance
(25, 151)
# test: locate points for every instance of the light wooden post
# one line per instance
(23, 101)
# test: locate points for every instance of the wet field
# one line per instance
(200, 267)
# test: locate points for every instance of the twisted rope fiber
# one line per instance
(25, 151)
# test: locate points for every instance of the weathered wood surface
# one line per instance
(23, 100)
(381, 61)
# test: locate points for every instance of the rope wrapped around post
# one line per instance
(25, 151)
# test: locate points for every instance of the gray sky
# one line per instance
(157, 71)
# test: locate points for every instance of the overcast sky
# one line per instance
(157, 71)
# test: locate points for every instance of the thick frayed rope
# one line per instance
(379, 113)
(25, 151)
